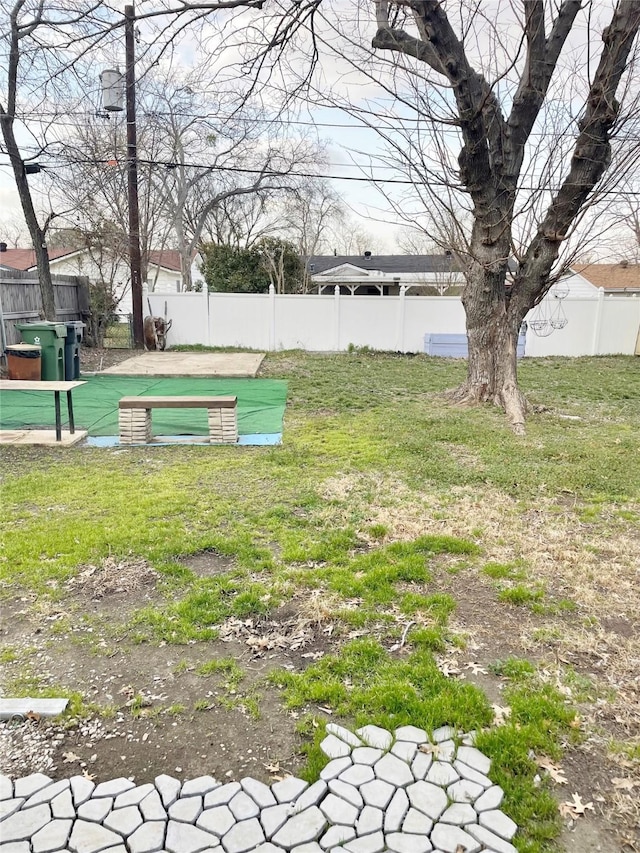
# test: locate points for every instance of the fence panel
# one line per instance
(21, 301)
(397, 323)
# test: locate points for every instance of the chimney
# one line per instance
(623, 263)
(3, 247)
(367, 254)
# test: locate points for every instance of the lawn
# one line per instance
(397, 560)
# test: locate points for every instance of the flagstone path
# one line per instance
(400, 792)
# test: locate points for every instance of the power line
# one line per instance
(40, 117)
(170, 164)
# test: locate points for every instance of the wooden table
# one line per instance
(56, 387)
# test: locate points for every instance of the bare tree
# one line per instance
(44, 47)
(195, 154)
(485, 119)
(12, 232)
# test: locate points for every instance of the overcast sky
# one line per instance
(353, 150)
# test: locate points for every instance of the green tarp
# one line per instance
(261, 404)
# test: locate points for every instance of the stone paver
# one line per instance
(381, 792)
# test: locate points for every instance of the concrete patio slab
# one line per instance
(229, 364)
(41, 437)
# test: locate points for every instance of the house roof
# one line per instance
(167, 258)
(25, 259)
(613, 277)
(317, 264)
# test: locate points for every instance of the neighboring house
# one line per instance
(164, 274)
(621, 279)
(384, 275)
(430, 275)
(575, 285)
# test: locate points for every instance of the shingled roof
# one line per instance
(612, 277)
(385, 263)
(25, 259)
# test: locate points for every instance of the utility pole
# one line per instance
(135, 263)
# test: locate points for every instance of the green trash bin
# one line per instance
(51, 338)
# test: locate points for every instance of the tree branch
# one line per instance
(590, 160)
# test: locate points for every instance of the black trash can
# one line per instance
(72, 350)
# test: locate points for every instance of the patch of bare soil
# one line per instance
(156, 711)
(95, 359)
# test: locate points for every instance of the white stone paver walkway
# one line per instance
(381, 792)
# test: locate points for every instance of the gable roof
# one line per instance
(611, 277)
(24, 259)
(318, 264)
(167, 258)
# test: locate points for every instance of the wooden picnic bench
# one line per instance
(135, 416)
(56, 386)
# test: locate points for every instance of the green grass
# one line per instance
(363, 432)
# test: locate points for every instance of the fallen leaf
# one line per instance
(448, 667)
(500, 714)
(624, 784)
(429, 749)
(89, 776)
(476, 668)
(32, 715)
(556, 772)
(70, 757)
(574, 807)
(273, 767)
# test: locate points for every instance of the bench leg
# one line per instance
(135, 426)
(223, 426)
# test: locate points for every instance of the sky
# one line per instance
(351, 147)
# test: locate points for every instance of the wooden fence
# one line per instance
(21, 302)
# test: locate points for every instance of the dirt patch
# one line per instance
(495, 631)
(157, 714)
(95, 359)
(207, 563)
(113, 577)
(206, 707)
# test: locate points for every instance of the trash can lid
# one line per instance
(23, 347)
(60, 329)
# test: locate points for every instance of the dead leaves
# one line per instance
(264, 636)
(625, 784)
(574, 807)
(476, 668)
(554, 770)
(501, 714)
(448, 667)
(70, 757)
(430, 749)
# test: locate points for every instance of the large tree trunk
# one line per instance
(493, 326)
(492, 369)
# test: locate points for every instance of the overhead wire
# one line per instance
(372, 179)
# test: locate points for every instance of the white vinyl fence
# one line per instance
(331, 323)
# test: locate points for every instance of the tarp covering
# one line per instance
(261, 404)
